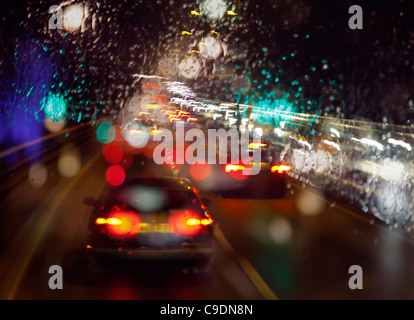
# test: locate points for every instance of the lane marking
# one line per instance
(250, 271)
(40, 228)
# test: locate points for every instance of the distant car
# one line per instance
(149, 221)
(269, 182)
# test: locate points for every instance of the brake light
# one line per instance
(206, 222)
(193, 222)
(185, 222)
(121, 223)
(113, 221)
(100, 221)
(234, 167)
(196, 222)
(280, 169)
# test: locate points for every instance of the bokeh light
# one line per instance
(115, 175)
(55, 107)
(210, 47)
(310, 203)
(105, 133)
(73, 17)
(136, 138)
(200, 171)
(214, 9)
(37, 175)
(54, 125)
(189, 67)
(113, 153)
(69, 162)
(280, 230)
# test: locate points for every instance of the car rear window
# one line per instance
(152, 198)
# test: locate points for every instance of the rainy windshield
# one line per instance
(292, 120)
(151, 199)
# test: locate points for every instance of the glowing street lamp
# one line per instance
(210, 47)
(189, 67)
(73, 17)
(214, 9)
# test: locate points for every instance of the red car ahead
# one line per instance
(146, 222)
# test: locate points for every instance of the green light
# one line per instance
(105, 133)
(55, 106)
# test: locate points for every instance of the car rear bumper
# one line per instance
(113, 258)
(263, 183)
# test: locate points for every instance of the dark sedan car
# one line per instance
(234, 179)
(146, 222)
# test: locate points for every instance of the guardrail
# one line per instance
(364, 163)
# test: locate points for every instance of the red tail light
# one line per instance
(121, 223)
(188, 223)
(193, 222)
(196, 222)
(100, 221)
(280, 169)
(113, 221)
(234, 167)
(110, 221)
(206, 222)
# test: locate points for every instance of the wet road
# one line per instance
(297, 247)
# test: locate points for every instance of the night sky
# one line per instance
(301, 52)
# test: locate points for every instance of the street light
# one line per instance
(189, 67)
(210, 47)
(73, 17)
(214, 9)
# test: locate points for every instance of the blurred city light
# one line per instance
(69, 162)
(37, 174)
(189, 67)
(73, 17)
(214, 9)
(210, 47)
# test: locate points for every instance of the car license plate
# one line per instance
(155, 228)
